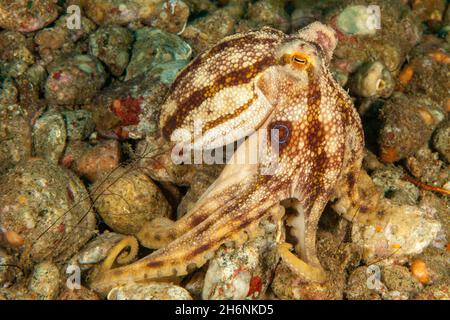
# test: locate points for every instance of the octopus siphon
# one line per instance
(259, 81)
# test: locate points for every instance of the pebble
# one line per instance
(111, 44)
(441, 140)
(45, 281)
(244, 271)
(166, 14)
(79, 124)
(74, 80)
(400, 282)
(127, 199)
(15, 136)
(16, 54)
(98, 161)
(96, 250)
(46, 206)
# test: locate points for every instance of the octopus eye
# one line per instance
(299, 61)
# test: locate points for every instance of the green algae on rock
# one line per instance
(158, 52)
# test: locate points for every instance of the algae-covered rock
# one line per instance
(16, 54)
(158, 52)
(27, 16)
(399, 231)
(111, 45)
(130, 109)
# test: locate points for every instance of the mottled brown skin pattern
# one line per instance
(285, 79)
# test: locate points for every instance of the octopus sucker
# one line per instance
(284, 85)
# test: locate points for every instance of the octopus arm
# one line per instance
(228, 212)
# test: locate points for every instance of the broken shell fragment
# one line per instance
(96, 250)
(149, 291)
(372, 80)
(401, 230)
(49, 136)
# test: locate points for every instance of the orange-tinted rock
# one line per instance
(98, 160)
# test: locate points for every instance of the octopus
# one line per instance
(254, 84)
